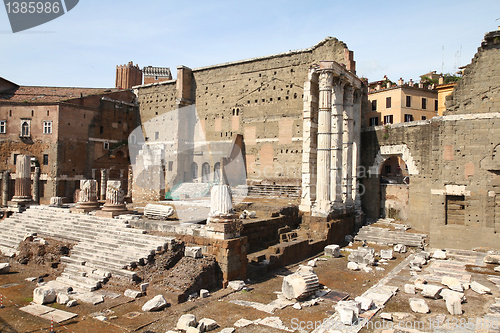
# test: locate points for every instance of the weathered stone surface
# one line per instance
(352, 266)
(155, 304)
(204, 293)
(479, 288)
(185, 321)
(158, 212)
(452, 283)
(228, 330)
(410, 288)
(207, 325)
(362, 256)
(236, 285)
(193, 330)
(71, 303)
(132, 293)
(193, 252)
(492, 259)
(348, 311)
(400, 248)
(332, 250)
(299, 285)
(439, 254)
(386, 254)
(497, 269)
(56, 201)
(366, 303)
(62, 299)
(419, 305)
(447, 293)
(386, 316)
(242, 322)
(144, 287)
(4, 268)
(454, 304)
(431, 291)
(44, 295)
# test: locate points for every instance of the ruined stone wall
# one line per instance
(259, 98)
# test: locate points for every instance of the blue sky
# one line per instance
(396, 38)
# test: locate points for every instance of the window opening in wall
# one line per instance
(106, 145)
(387, 169)
(374, 105)
(435, 105)
(157, 135)
(32, 113)
(25, 128)
(47, 113)
(389, 119)
(408, 101)
(374, 121)
(424, 118)
(15, 158)
(387, 102)
(424, 103)
(408, 117)
(101, 129)
(170, 165)
(455, 209)
(10, 113)
(45, 159)
(3, 126)
(47, 127)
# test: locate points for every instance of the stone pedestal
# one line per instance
(115, 204)
(56, 202)
(22, 196)
(222, 222)
(87, 200)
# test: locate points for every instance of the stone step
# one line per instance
(83, 270)
(118, 250)
(116, 272)
(104, 258)
(90, 280)
(76, 285)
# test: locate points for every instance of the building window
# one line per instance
(157, 135)
(106, 145)
(389, 119)
(408, 101)
(374, 121)
(374, 105)
(455, 209)
(101, 130)
(45, 159)
(408, 117)
(47, 127)
(387, 169)
(170, 165)
(25, 128)
(424, 118)
(3, 126)
(388, 103)
(435, 105)
(424, 103)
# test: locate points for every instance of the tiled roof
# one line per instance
(28, 94)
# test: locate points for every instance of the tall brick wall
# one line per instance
(259, 98)
(454, 191)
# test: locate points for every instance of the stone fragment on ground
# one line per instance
(454, 304)
(400, 248)
(193, 252)
(71, 303)
(4, 268)
(228, 330)
(431, 291)
(204, 293)
(479, 288)
(44, 295)
(207, 325)
(410, 288)
(193, 330)
(236, 285)
(492, 259)
(144, 287)
(352, 266)
(386, 316)
(387, 254)
(332, 250)
(363, 255)
(91, 298)
(439, 254)
(300, 285)
(185, 321)
(62, 299)
(242, 322)
(452, 283)
(348, 311)
(366, 303)
(274, 322)
(155, 304)
(132, 293)
(419, 305)
(447, 293)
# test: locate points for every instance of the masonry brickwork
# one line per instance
(453, 161)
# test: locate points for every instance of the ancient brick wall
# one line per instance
(259, 98)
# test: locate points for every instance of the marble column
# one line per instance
(356, 151)
(130, 181)
(87, 199)
(115, 200)
(310, 129)
(324, 141)
(23, 180)
(104, 180)
(5, 187)
(336, 143)
(347, 139)
(36, 185)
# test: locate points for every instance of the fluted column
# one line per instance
(356, 147)
(23, 179)
(87, 199)
(324, 142)
(115, 200)
(104, 180)
(36, 185)
(347, 139)
(5, 187)
(336, 143)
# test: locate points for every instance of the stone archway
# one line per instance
(205, 173)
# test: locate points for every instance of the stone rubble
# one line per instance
(479, 288)
(431, 291)
(362, 256)
(352, 266)
(300, 285)
(492, 259)
(62, 299)
(185, 321)
(155, 304)
(193, 252)
(207, 325)
(419, 305)
(439, 254)
(387, 254)
(400, 248)
(236, 285)
(4, 268)
(204, 293)
(44, 295)
(332, 250)
(132, 293)
(452, 283)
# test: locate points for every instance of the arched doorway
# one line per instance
(394, 188)
(217, 173)
(194, 172)
(205, 173)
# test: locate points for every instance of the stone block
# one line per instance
(366, 303)
(362, 256)
(410, 289)
(352, 266)
(144, 287)
(299, 285)
(452, 283)
(454, 305)
(62, 299)
(431, 291)
(386, 316)
(348, 311)
(439, 254)
(332, 250)
(236, 285)
(492, 259)
(155, 304)
(447, 293)
(71, 303)
(386, 254)
(400, 248)
(186, 321)
(419, 305)
(207, 325)
(204, 293)
(193, 330)
(193, 252)
(44, 295)
(228, 330)
(479, 288)
(4, 268)
(132, 293)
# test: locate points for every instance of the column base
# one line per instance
(84, 207)
(112, 211)
(224, 227)
(18, 206)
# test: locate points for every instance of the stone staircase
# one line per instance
(104, 247)
(388, 232)
(274, 190)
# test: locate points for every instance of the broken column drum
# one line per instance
(104, 179)
(23, 179)
(115, 204)
(330, 139)
(222, 222)
(87, 199)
